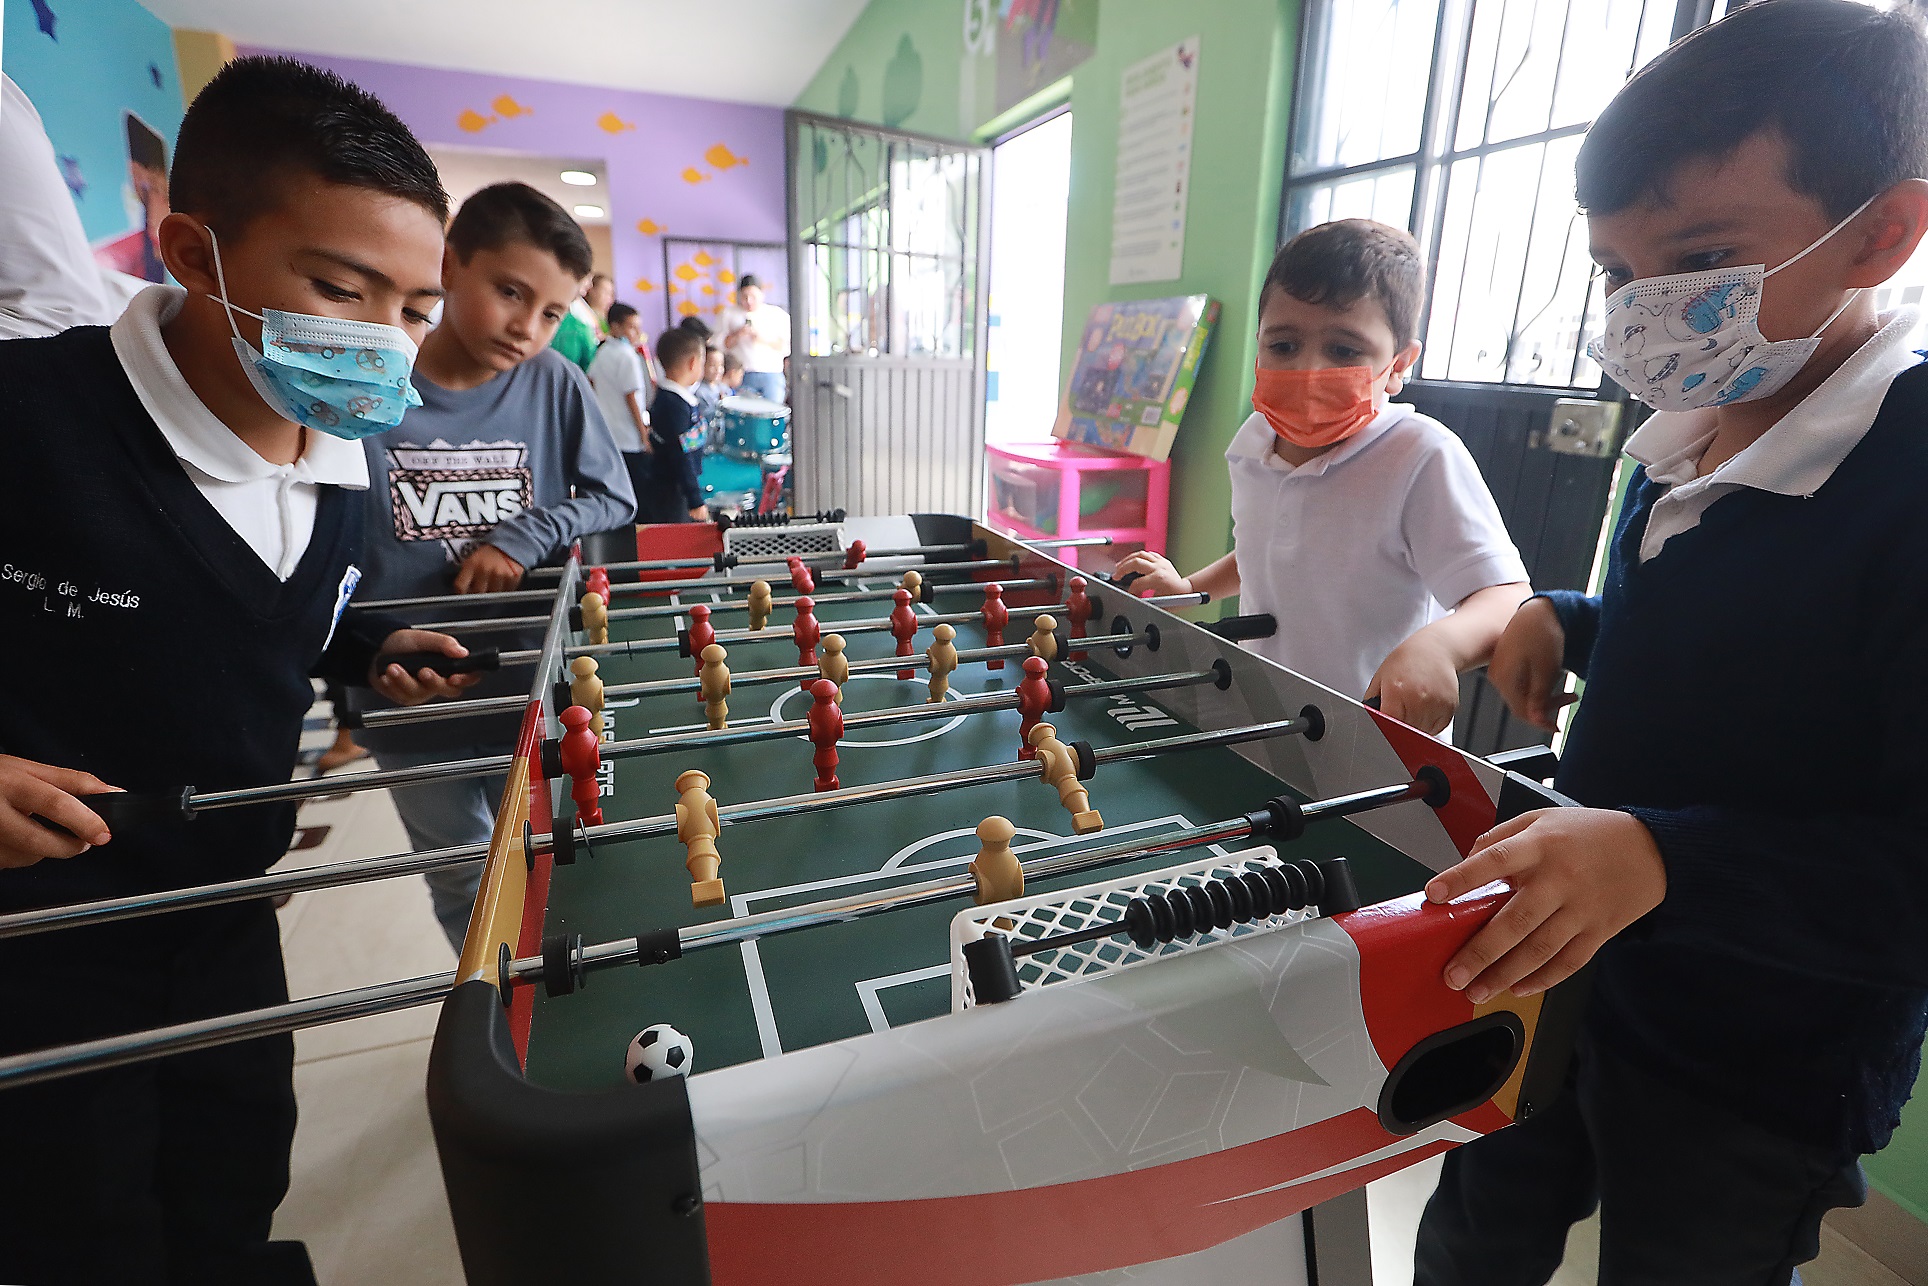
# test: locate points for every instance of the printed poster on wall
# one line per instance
(1158, 99)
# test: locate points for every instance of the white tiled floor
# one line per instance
(367, 1192)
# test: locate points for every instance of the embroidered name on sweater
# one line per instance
(457, 494)
(62, 596)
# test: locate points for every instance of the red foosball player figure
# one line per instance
(806, 632)
(903, 627)
(854, 556)
(800, 578)
(1080, 604)
(582, 759)
(826, 729)
(1034, 696)
(702, 634)
(996, 617)
(598, 582)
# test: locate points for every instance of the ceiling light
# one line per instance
(590, 212)
(579, 178)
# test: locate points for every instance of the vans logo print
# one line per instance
(447, 493)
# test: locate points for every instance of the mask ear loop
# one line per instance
(221, 280)
(1823, 240)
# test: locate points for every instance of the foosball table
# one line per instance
(1084, 940)
(876, 900)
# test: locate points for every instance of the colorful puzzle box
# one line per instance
(1134, 373)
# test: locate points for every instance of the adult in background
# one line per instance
(759, 334)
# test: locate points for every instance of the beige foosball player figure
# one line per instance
(997, 872)
(1058, 765)
(595, 618)
(943, 658)
(716, 687)
(697, 828)
(914, 582)
(760, 604)
(586, 690)
(832, 664)
(1044, 639)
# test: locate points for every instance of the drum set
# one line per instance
(746, 456)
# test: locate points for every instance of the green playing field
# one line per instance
(744, 1002)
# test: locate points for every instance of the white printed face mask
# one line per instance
(1692, 340)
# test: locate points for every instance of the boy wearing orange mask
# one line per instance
(1362, 525)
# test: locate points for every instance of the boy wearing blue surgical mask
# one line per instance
(1748, 866)
(178, 545)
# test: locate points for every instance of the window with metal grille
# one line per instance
(1460, 120)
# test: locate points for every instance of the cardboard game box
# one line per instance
(1134, 372)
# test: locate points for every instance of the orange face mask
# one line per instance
(1317, 408)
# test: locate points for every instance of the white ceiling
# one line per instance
(745, 51)
(464, 170)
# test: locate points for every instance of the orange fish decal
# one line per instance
(725, 276)
(723, 158)
(708, 289)
(702, 259)
(694, 175)
(610, 123)
(508, 109)
(472, 121)
(645, 285)
(686, 273)
(648, 227)
(688, 309)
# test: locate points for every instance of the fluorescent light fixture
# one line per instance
(590, 212)
(579, 178)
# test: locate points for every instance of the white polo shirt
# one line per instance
(1794, 458)
(615, 372)
(1359, 548)
(271, 506)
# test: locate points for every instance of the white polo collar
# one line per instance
(1255, 437)
(1801, 452)
(680, 390)
(196, 434)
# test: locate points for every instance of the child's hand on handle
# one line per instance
(700, 514)
(487, 570)
(1155, 573)
(1579, 876)
(1526, 667)
(404, 688)
(29, 790)
(1418, 684)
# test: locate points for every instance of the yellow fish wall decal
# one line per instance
(472, 121)
(648, 227)
(610, 123)
(688, 309)
(708, 289)
(686, 273)
(702, 259)
(694, 175)
(508, 109)
(725, 276)
(723, 158)
(645, 285)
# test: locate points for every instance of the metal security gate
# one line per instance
(888, 241)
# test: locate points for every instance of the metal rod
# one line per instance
(181, 1038)
(826, 574)
(309, 788)
(368, 869)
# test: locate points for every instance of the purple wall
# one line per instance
(685, 167)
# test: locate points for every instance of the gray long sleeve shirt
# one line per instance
(523, 462)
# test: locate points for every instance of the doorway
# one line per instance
(1031, 182)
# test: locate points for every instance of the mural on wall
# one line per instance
(1039, 42)
(700, 276)
(675, 166)
(102, 76)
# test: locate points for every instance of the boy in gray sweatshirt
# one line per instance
(504, 465)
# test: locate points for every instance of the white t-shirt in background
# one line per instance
(615, 372)
(1359, 548)
(772, 343)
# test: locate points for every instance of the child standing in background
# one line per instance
(622, 390)
(672, 492)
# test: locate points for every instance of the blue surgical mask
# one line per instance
(342, 377)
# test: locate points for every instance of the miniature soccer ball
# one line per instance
(659, 1050)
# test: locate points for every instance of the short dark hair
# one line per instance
(261, 121)
(618, 314)
(675, 345)
(731, 362)
(1342, 262)
(696, 326)
(504, 213)
(749, 279)
(1844, 84)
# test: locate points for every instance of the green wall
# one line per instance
(903, 64)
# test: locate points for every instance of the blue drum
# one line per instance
(749, 428)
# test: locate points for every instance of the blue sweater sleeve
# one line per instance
(1579, 615)
(602, 498)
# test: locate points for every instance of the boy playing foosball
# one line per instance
(180, 541)
(1750, 865)
(1363, 526)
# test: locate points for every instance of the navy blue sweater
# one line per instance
(1755, 696)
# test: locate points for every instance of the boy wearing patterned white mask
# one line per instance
(1362, 525)
(1750, 736)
